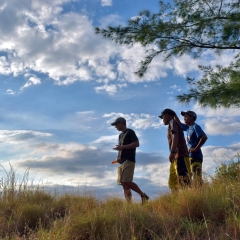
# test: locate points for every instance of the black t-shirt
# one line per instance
(125, 138)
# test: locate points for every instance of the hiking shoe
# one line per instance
(145, 198)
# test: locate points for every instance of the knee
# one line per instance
(196, 169)
(125, 185)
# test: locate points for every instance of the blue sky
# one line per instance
(61, 86)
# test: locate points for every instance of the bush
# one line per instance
(228, 171)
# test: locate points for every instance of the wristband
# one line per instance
(173, 151)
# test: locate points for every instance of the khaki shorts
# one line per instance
(125, 172)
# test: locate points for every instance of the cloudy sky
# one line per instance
(61, 86)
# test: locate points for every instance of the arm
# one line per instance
(128, 146)
(184, 126)
(175, 137)
(202, 140)
(177, 119)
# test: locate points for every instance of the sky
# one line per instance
(61, 86)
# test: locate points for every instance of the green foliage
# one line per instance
(218, 87)
(229, 171)
(189, 27)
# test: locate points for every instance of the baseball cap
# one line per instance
(167, 111)
(120, 119)
(190, 113)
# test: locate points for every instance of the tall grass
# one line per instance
(209, 212)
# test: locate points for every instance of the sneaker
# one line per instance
(145, 198)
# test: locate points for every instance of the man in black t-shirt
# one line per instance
(127, 144)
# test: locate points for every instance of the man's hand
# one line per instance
(118, 148)
(202, 140)
(172, 157)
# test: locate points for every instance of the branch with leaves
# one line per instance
(183, 27)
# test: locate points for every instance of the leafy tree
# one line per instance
(190, 27)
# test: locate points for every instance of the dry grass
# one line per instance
(209, 212)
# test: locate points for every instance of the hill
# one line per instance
(209, 212)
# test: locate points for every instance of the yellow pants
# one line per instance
(196, 166)
(180, 173)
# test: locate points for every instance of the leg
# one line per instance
(183, 169)
(125, 173)
(126, 189)
(128, 184)
(133, 186)
(173, 177)
(196, 165)
(127, 192)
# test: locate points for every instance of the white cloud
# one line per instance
(106, 3)
(137, 121)
(219, 126)
(14, 136)
(109, 139)
(219, 112)
(77, 164)
(130, 62)
(10, 91)
(110, 89)
(220, 121)
(176, 87)
(31, 81)
(219, 153)
(214, 156)
(185, 64)
(224, 153)
(106, 142)
(86, 115)
(4, 66)
(112, 19)
(235, 146)
(40, 37)
(209, 58)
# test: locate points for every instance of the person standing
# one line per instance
(127, 144)
(180, 171)
(195, 139)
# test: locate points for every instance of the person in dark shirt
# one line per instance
(127, 144)
(180, 171)
(196, 137)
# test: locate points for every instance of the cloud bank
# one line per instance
(43, 37)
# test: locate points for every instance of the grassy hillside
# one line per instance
(210, 212)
